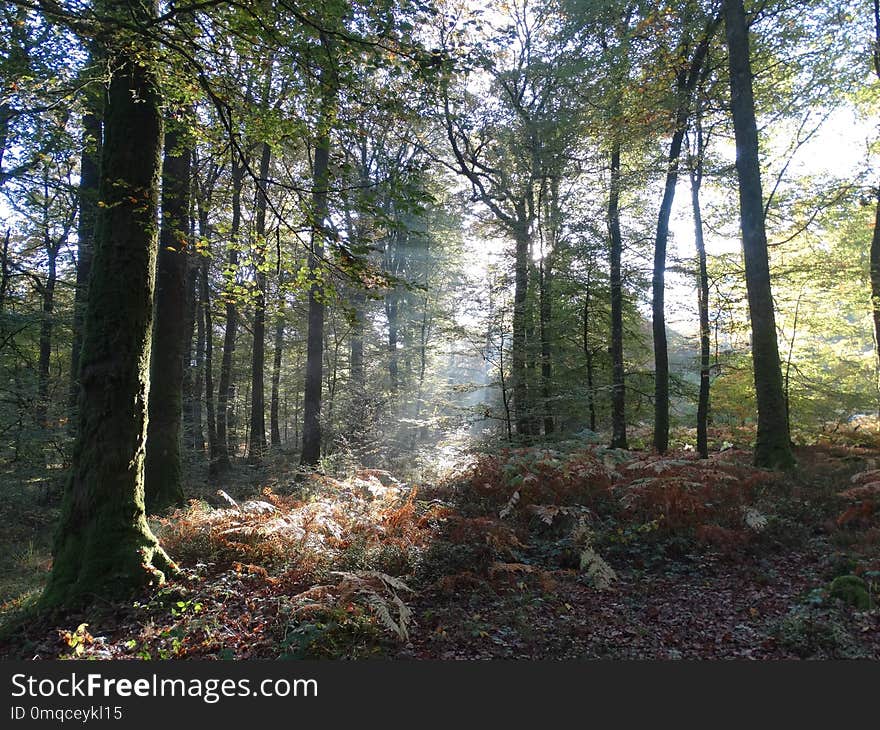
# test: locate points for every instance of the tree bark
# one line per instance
(104, 546)
(618, 385)
(773, 443)
(162, 477)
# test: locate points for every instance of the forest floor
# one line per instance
(574, 551)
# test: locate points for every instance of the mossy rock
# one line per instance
(852, 590)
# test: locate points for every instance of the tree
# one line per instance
(327, 83)
(690, 69)
(162, 476)
(103, 544)
(773, 443)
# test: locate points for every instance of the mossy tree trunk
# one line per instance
(103, 546)
(162, 477)
(773, 443)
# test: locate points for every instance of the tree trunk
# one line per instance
(773, 444)
(224, 387)
(519, 386)
(311, 447)
(104, 546)
(545, 304)
(874, 263)
(47, 292)
(686, 82)
(257, 439)
(588, 356)
(205, 309)
(392, 304)
(703, 304)
(194, 395)
(274, 424)
(546, 278)
(193, 438)
(874, 256)
(162, 475)
(618, 385)
(88, 201)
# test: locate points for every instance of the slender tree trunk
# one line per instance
(274, 424)
(357, 372)
(874, 261)
(392, 303)
(311, 447)
(702, 302)
(198, 379)
(47, 317)
(546, 277)
(162, 475)
(257, 440)
(658, 288)
(685, 84)
(224, 387)
(104, 546)
(193, 438)
(519, 386)
(874, 264)
(205, 309)
(88, 202)
(588, 356)
(546, 304)
(618, 385)
(773, 444)
(5, 274)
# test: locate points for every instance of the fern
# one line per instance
(598, 571)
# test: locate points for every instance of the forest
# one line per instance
(439, 329)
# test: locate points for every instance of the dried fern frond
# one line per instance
(754, 520)
(511, 503)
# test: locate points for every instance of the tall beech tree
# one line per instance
(257, 431)
(328, 89)
(104, 546)
(773, 443)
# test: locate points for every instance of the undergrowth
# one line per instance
(338, 568)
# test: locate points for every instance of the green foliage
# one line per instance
(852, 590)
